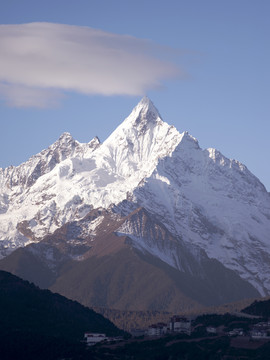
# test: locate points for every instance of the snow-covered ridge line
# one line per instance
(28, 172)
(200, 196)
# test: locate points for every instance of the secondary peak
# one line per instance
(66, 136)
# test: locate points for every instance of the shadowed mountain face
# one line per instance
(121, 262)
(37, 324)
(258, 308)
(27, 309)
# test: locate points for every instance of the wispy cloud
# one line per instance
(27, 96)
(40, 61)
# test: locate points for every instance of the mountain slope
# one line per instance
(16, 186)
(214, 203)
(27, 308)
(206, 201)
(258, 308)
(127, 263)
(37, 324)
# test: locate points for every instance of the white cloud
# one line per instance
(24, 96)
(40, 60)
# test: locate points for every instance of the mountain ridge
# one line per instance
(203, 199)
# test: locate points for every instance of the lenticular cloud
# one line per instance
(38, 58)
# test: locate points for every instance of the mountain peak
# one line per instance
(145, 102)
(146, 108)
(95, 140)
(143, 116)
(66, 136)
(94, 143)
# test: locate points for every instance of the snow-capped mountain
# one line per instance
(206, 201)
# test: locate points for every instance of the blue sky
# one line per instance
(206, 65)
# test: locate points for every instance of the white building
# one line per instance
(157, 329)
(236, 332)
(259, 334)
(211, 330)
(180, 325)
(94, 338)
